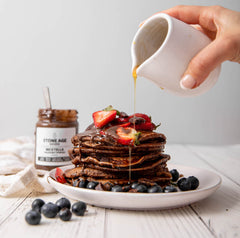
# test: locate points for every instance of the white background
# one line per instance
(81, 50)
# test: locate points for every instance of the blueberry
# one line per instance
(184, 184)
(49, 210)
(65, 214)
(75, 183)
(117, 188)
(141, 188)
(37, 204)
(126, 188)
(62, 203)
(193, 181)
(155, 189)
(92, 185)
(79, 208)
(175, 175)
(107, 186)
(83, 183)
(134, 185)
(33, 217)
(169, 189)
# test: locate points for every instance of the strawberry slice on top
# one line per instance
(127, 135)
(102, 118)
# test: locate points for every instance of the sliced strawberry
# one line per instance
(120, 120)
(125, 124)
(147, 126)
(59, 176)
(102, 118)
(144, 116)
(127, 135)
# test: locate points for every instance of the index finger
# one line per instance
(188, 14)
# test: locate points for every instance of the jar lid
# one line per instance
(63, 115)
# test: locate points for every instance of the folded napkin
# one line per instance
(17, 171)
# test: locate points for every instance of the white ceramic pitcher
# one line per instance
(162, 49)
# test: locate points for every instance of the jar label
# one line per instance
(52, 145)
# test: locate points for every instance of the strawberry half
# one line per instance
(102, 118)
(144, 116)
(59, 176)
(127, 135)
(147, 126)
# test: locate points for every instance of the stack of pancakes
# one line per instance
(98, 157)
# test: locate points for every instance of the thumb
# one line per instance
(203, 63)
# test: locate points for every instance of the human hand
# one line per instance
(219, 24)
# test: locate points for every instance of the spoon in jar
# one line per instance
(46, 95)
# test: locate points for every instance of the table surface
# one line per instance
(215, 216)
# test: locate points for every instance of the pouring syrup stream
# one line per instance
(134, 74)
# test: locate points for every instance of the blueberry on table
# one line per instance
(65, 214)
(175, 175)
(116, 188)
(92, 185)
(79, 208)
(49, 210)
(37, 204)
(170, 189)
(141, 188)
(33, 217)
(193, 181)
(62, 203)
(155, 189)
(184, 184)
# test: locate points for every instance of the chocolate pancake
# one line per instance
(141, 147)
(99, 171)
(114, 161)
(97, 139)
(125, 151)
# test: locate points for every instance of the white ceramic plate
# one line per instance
(209, 183)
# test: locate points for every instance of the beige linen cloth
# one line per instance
(17, 171)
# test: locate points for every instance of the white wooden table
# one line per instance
(216, 216)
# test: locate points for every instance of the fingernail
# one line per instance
(188, 82)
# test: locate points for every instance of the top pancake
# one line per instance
(92, 138)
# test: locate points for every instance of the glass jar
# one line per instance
(53, 134)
